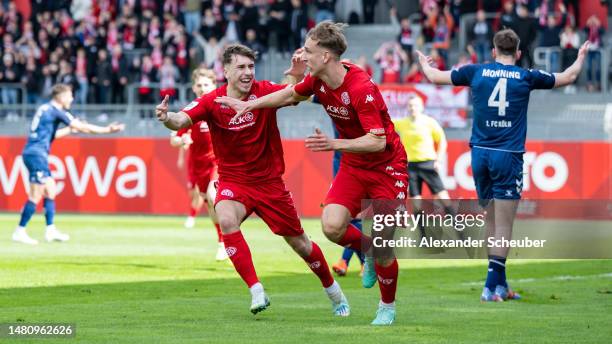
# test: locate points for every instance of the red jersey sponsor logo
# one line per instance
(337, 111)
(241, 122)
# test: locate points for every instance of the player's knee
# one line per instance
(333, 228)
(300, 244)
(228, 224)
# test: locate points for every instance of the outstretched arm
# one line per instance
(368, 143)
(434, 75)
(570, 74)
(86, 128)
(172, 120)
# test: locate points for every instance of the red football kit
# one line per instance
(357, 108)
(201, 162)
(250, 157)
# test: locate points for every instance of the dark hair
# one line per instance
(329, 35)
(237, 49)
(58, 89)
(506, 42)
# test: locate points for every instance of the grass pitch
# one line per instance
(148, 280)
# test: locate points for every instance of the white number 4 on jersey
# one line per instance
(501, 104)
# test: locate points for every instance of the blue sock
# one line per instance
(497, 273)
(26, 213)
(347, 254)
(361, 257)
(357, 223)
(49, 210)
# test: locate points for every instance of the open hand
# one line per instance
(319, 142)
(235, 104)
(116, 127)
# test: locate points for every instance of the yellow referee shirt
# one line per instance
(419, 137)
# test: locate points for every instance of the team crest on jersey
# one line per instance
(252, 97)
(190, 105)
(227, 193)
(345, 98)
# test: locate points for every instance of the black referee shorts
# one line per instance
(423, 171)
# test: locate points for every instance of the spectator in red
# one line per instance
(147, 77)
(405, 37)
(594, 32)
(570, 43)
(168, 75)
(390, 57)
(414, 75)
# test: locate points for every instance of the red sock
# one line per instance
(317, 263)
(387, 281)
(193, 211)
(219, 233)
(354, 239)
(238, 251)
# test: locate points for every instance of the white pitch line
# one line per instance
(553, 278)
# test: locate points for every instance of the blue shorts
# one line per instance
(38, 167)
(497, 174)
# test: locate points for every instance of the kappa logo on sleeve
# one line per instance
(369, 98)
(191, 105)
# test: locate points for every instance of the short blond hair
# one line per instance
(330, 35)
(204, 73)
(58, 89)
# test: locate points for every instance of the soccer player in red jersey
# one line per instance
(251, 166)
(373, 163)
(201, 163)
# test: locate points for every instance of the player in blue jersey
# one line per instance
(500, 95)
(43, 130)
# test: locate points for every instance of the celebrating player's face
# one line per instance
(203, 85)
(240, 73)
(314, 56)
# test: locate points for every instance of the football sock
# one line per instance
(240, 255)
(219, 233)
(347, 254)
(318, 265)
(192, 212)
(49, 205)
(496, 273)
(28, 210)
(354, 239)
(387, 281)
(334, 292)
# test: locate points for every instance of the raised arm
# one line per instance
(432, 74)
(172, 120)
(368, 143)
(87, 128)
(570, 74)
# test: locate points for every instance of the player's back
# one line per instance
(500, 95)
(44, 124)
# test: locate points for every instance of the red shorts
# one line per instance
(352, 184)
(271, 201)
(201, 177)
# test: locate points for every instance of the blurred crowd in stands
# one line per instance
(100, 47)
(550, 24)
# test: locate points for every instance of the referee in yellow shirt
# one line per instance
(420, 135)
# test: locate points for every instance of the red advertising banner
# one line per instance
(447, 104)
(139, 175)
